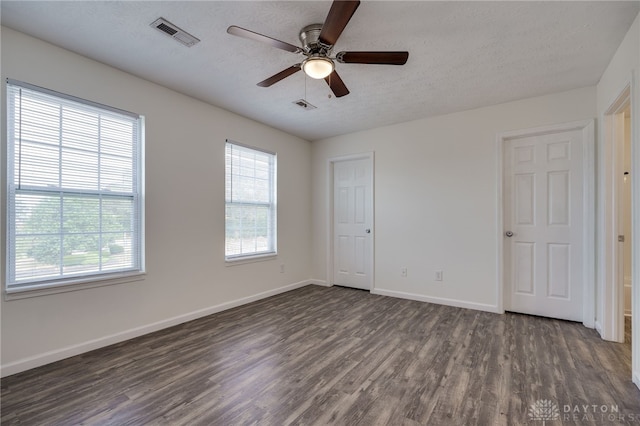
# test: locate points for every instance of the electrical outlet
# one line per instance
(403, 272)
(438, 276)
(282, 268)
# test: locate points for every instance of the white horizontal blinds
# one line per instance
(74, 206)
(250, 201)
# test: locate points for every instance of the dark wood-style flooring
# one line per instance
(323, 356)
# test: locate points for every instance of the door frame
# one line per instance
(587, 127)
(329, 202)
(610, 322)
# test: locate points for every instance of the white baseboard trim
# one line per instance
(322, 283)
(589, 324)
(438, 300)
(636, 379)
(598, 328)
(80, 348)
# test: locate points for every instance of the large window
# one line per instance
(250, 187)
(74, 199)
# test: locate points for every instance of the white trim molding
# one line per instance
(80, 348)
(627, 296)
(438, 300)
(598, 327)
(635, 233)
(588, 206)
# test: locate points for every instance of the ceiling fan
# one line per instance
(317, 42)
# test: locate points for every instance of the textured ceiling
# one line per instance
(462, 54)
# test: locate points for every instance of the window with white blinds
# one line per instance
(250, 192)
(74, 198)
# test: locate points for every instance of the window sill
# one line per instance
(44, 289)
(250, 259)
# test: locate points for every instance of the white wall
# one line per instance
(623, 68)
(436, 196)
(186, 273)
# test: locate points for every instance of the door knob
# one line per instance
(509, 234)
(368, 231)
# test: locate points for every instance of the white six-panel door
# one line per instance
(352, 223)
(543, 219)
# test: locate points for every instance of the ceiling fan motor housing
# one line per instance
(309, 36)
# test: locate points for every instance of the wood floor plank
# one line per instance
(317, 356)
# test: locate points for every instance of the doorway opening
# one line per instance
(616, 244)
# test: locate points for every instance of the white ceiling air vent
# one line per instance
(174, 32)
(304, 104)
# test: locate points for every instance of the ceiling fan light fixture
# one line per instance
(318, 67)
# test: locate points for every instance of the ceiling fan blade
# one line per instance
(252, 35)
(383, 58)
(280, 76)
(337, 85)
(337, 19)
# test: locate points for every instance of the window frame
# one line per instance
(272, 252)
(17, 289)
